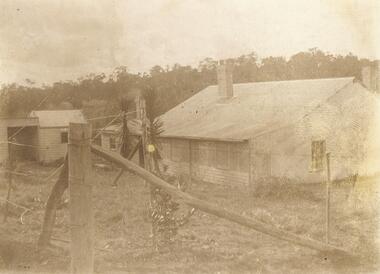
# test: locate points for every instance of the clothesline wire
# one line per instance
(108, 116)
(36, 107)
(24, 145)
(36, 146)
(61, 166)
(108, 124)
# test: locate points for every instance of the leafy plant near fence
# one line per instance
(164, 210)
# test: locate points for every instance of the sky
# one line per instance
(54, 40)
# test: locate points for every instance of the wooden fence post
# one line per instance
(80, 189)
(251, 175)
(10, 175)
(328, 198)
(190, 164)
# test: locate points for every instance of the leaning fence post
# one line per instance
(80, 190)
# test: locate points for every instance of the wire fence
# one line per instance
(22, 128)
(108, 116)
(57, 169)
(24, 145)
(107, 125)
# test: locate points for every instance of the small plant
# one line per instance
(165, 216)
(165, 212)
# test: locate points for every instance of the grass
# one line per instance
(206, 244)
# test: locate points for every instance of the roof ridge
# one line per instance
(253, 110)
(292, 80)
(46, 110)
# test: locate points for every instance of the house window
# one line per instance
(165, 149)
(238, 157)
(318, 152)
(112, 143)
(244, 161)
(211, 157)
(180, 151)
(203, 154)
(222, 158)
(194, 152)
(264, 163)
(64, 137)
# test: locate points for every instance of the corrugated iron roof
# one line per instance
(254, 109)
(58, 118)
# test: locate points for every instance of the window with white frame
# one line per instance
(318, 152)
(222, 155)
(64, 137)
(112, 143)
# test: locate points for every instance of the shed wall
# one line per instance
(105, 141)
(51, 147)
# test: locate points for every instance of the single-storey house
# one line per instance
(42, 136)
(241, 133)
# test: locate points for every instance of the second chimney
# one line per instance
(225, 84)
(371, 76)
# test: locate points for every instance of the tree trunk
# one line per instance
(52, 204)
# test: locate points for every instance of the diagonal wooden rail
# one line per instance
(215, 209)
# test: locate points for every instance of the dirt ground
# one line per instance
(206, 244)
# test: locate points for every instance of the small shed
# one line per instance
(110, 136)
(53, 132)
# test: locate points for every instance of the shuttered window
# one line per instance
(318, 152)
(112, 143)
(212, 154)
(203, 154)
(239, 157)
(234, 157)
(165, 148)
(222, 155)
(180, 151)
(244, 160)
(195, 152)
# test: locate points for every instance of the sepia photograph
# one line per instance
(189, 136)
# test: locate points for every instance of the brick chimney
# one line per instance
(371, 76)
(225, 83)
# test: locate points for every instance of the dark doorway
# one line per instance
(23, 143)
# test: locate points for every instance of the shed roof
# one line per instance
(58, 118)
(18, 122)
(254, 109)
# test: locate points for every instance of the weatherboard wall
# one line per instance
(51, 147)
(214, 162)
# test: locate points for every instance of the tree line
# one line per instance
(99, 94)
